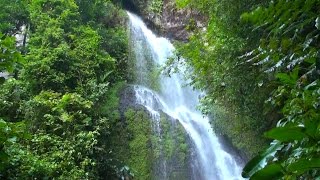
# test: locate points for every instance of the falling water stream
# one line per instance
(178, 101)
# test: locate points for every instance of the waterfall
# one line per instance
(171, 96)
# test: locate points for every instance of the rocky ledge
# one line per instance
(168, 21)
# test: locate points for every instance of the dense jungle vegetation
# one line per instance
(57, 109)
(257, 61)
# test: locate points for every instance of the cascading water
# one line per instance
(210, 161)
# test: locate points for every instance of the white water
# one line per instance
(211, 161)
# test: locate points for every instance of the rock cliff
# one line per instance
(166, 19)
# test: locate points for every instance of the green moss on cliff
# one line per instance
(140, 154)
(141, 147)
(175, 147)
(229, 125)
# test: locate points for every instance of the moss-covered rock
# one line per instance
(140, 153)
(238, 133)
(173, 149)
(151, 148)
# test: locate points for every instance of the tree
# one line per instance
(61, 92)
(13, 15)
(9, 132)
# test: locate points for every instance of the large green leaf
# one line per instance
(286, 134)
(285, 78)
(259, 161)
(303, 165)
(272, 171)
(3, 124)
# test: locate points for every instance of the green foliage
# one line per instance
(156, 6)
(9, 134)
(243, 135)
(110, 107)
(61, 93)
(10, 57)
(139, 127)
(169, 146)
(289, 47)
(182, 3)
(61, 114)
(286, 134)
(235, 92)
(258, 162)
(272, 171)
(63, 142)
(12, 94)
(173, 140)
(281, 59)
(137, 143)
(102, 12)
(142, 69)
(115, 42)
(13, 15)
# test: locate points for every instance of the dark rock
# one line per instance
(174, 22)
(171, 22)
(128, 100)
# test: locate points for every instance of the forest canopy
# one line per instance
(64, 62)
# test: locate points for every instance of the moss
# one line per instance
(240, 130)
(139, 128)
(174, 145)
(111, 104)
(142, 69)
(154, 75)
(131, 139)
(156, 7)
(141, 148)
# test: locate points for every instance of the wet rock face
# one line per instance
(175, 22)
(140, 7)
(171, 149)
(128, 100)
(171, 22)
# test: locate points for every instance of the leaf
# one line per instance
(285, 78)
(286, 134)
(3, 124)
(65, 117)
(272, 171)
(259, 161)
(295, 74)
(311, 127)
(303, 165)
(104, 77)
(182, 3)
(2, 80)
(289, 79)
(314, 84)
(245, 17)
(317, 23)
